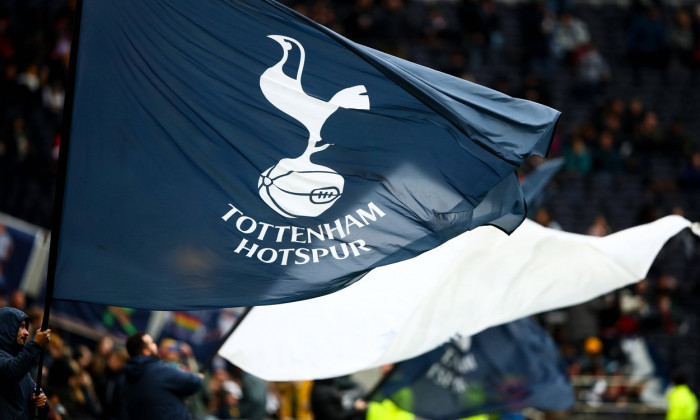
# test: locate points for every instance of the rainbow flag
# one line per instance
(187, 322)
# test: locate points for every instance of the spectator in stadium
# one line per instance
(6, 248)
(647, 42)
(570, 35)
(535, 90)
(682, 38)
(362, 23)
(60, 368)
(577, 156)
(682, 402)
(18, 299)
(154, 390)
(633, 116)
(80, 401)
(544, 217)
(225, 394)
(592, 71)
(690, 174)
(107, 383)
(253, 403)
(648, 141)
(17, 356)
(179, 354)
(392, 23)
(327, 402)
(536, 30)
(483, 34)
(679, 143)
(599, 227)
(606, 157)
(696, 48)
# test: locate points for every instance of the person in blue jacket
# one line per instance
(152, 389)
(18, 354)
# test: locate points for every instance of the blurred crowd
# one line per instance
(638, 333)
(81, 377)
(626, 347)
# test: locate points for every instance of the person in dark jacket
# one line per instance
(327, 402)
(152, 389)
(17, 356)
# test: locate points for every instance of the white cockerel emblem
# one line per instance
(296, 187)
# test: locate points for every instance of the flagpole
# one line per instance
(60, 184)
(235, 325)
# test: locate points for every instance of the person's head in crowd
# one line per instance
(141, 344)
(386, 369)
(635, 110)
(664, 302)
(667, 283)
(116, 359)
(642, 287)
(35, 314)
(18, 300)
(588, 132)
(15, 329)
(543, 216)
(616, 106)
(606, 140)
(695, 161)
(599, 227)
(681, 19)
(102, 349)
(57, 348)
(578, 145)
(650, 122)
(169, 350)
(83, 355)
(104, 346)
(678, 211)
(612, 122)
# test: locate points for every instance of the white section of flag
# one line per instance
(477, 280)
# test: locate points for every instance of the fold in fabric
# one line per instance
(479, 279)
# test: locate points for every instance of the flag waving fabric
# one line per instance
(504, 368)
(234, 153)
(478, 280)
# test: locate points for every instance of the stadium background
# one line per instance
(625, 76)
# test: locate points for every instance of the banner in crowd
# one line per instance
(480, 279)
(236, 154)
(201, 330)
(93, 321)
(23, 256)
(504, 368)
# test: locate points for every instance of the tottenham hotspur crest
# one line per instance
(295, 187)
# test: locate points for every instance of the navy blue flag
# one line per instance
(535, 183)
(501, 369)
(235, 153)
